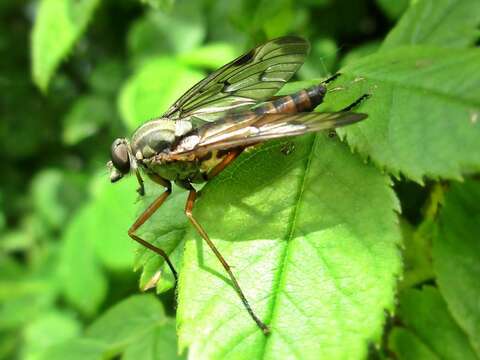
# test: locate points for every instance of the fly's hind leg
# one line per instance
(147, 214)
(232, 155)
(189, 212)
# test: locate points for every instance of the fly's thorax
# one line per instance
(156, 136)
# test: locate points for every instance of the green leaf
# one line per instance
(57, 27)
(393, 9)
(211, 56)
(445, 23)
(47, 330)
(311, 235)
(84, 283)
(76, 349)
(456, 255)
(98, 235)
(150, 91)
(407, 346)
(425, 314)
(138, 327)
(166, 229)
(417, 256)
(152, 35)
(111, 213)
(423, 113)
(86, 117)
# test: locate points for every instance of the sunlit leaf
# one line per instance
(312, 238)
(423, 113)
(456, 254)
(57, 27)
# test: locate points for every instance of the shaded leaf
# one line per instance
(423, 112)
(445, 23)
(456, 254)
(393, 9)
(426, 315)
(407, 346)
(57, 27)
(317, 263)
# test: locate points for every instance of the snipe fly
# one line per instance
(212, 123)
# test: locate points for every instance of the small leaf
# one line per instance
(137, 327)
(166, 229)
(156, 85)
(456, 255)
(425, 313)
(86, 117)
(57, 27)
(423, 111)
(48, 330)
(444, 23)
(312, 238)
(84, 283)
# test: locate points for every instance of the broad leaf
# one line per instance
(445, 23)
(425, 314)
(58, 26)
(423, 113)
(456, 255)
(310, 232)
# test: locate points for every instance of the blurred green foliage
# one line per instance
(320, 250)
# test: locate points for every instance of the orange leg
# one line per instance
(146, 215)
(189, 212)
(232, 155)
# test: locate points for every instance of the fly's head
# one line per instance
(122, 160)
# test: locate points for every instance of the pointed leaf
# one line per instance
(58, 26)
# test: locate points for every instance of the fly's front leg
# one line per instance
(189, 212)
(146, 215)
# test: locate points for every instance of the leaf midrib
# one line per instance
(290, 232)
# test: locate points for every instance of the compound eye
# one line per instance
(120, 156)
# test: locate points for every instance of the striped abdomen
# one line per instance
(301, 101)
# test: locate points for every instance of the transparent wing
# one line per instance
(253, 77)
(248, 129)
